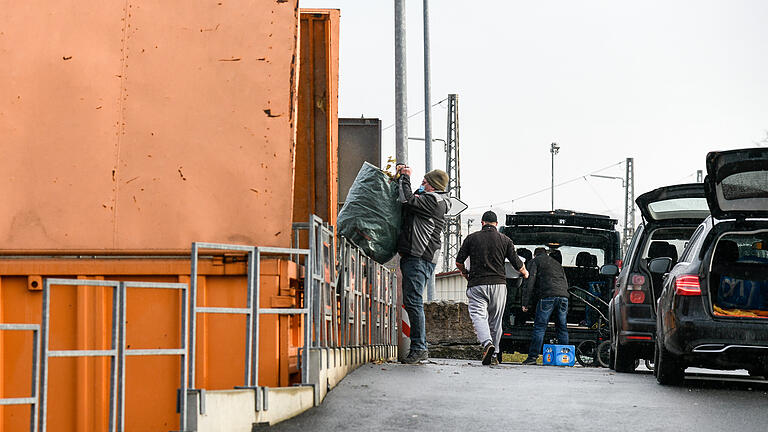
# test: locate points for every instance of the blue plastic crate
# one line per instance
(559, 355)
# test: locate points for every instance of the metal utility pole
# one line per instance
(401, 86)
(554, 149)
(629, 205)
(452, 239)
(699, 176)
(427, 94)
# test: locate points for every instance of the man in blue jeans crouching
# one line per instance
(547, 281)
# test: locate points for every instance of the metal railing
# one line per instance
(348, 301)
(112, 353)
(251, 326)
(322, 245)
(252, 309)
(119, 350)
(124, 352)
(354, 296)
(34, 398)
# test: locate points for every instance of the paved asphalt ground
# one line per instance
(460, 395)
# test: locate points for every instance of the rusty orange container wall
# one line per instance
(144, 125)
(81, 319)
(132, 129)
(316, 177)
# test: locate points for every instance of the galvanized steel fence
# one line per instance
(348, 300)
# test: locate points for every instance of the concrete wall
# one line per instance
(450, 333)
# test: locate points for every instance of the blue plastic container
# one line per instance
(559, 355)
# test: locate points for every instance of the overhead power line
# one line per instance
(546, 188)
(416, 113)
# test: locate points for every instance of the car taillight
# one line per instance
(636, 288)
(619, 263)
(687, 285)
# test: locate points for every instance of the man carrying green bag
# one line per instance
(418, 243)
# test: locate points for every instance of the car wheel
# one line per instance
(624, 359)
(611, 356)
(612, 351)
(667, 368)
(604, 353)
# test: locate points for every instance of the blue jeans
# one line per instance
(416, 272)
(544, 309)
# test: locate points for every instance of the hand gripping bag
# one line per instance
(370, 217)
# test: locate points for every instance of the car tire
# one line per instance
(604, 351)
(611, 357)
(624, 360)
(612, 351)
(667, 368)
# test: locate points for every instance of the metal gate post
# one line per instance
(306, 311)
(112, 353)
(123, 351)
(248, 310)
(34, 398)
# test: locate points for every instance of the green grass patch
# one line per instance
(516, 357)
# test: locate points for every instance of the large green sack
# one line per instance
(370, 217)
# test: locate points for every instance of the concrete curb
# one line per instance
(241, 410)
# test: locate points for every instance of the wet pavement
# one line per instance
(461, 395)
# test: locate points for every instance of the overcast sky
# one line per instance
(663, 82)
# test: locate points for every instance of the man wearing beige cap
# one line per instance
(419, 245)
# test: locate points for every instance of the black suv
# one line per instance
(586, 242)
(670, 215)
(713, 309)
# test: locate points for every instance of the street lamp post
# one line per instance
(554, 149)
(628, 210)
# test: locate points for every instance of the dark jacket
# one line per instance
(423, 221)
(546, 279)
(487, 250)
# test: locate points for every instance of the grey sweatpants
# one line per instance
(486, 309)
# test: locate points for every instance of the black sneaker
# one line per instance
(416, 356)
(488, 353)
(530, 361)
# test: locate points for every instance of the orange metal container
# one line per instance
(131, 130)
(316, 185)
(81, 318)
(145, 126)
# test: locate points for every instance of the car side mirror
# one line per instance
(660, 265)
(609, 270)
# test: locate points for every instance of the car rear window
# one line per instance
(570, 253)
(748, 184)
(667, 242)
(688, 208)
